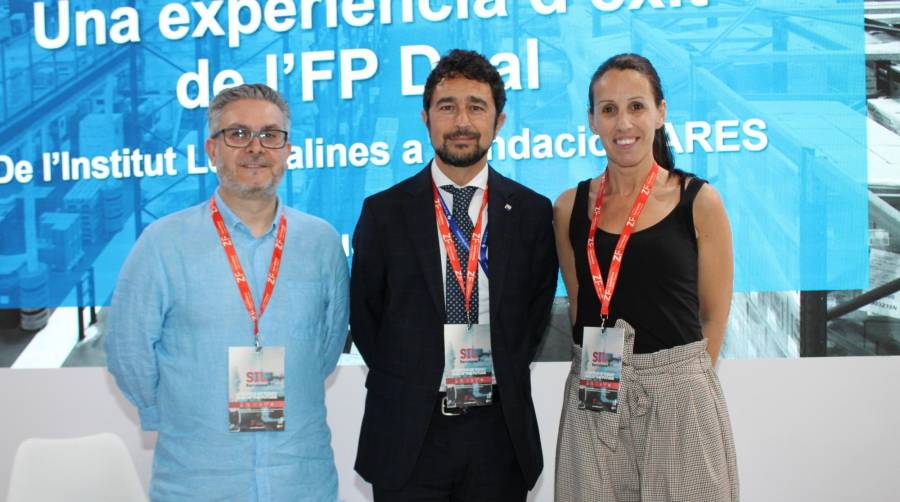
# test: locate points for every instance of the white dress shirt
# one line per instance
(480, 183)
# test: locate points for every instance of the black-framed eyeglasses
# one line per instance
(241, 137)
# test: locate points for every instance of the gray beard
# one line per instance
(245, 192)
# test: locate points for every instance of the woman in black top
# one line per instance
(670, 436)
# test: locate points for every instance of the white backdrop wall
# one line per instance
(823, 430)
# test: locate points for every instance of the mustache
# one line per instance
(462, 133)
(259, 161)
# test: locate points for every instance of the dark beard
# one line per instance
(444, 154)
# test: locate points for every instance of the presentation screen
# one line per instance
(104, 108)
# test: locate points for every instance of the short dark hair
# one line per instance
(661, 151)
(470, 65)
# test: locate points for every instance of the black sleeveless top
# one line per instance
(656, 292)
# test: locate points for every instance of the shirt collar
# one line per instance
(233, 222)
(441, 179)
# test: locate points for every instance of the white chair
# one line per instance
(88, 469)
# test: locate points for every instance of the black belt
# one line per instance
(441, 405)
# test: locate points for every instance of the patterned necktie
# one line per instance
(456, 303)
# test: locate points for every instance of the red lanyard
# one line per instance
(605, 293)
(468, 284)
(238, 271)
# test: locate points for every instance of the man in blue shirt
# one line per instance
(226, 320)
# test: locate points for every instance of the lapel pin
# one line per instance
(507, 207)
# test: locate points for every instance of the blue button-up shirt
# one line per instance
(176, 310)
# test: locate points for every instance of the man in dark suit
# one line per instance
(423, 436)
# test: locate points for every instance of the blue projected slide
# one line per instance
(103, 106)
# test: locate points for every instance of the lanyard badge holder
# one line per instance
(468, 363)
(255, 374)
(602, 348)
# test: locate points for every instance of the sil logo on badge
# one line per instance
(601, 368)
(255, 389)
(468, 365)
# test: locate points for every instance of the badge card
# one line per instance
(601, 368)
(468, 365)
(255, 389)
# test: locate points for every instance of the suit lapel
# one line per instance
(423, 235)
(501, 213)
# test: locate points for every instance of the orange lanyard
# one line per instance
(238, 271)
(604, 293)
(468, 284)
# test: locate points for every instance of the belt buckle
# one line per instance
(450, 412)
